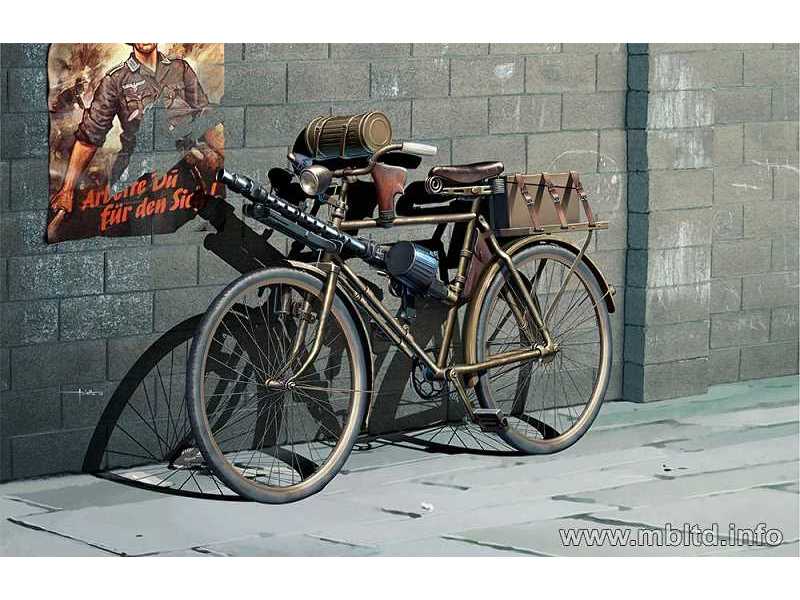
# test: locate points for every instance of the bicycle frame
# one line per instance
(339, 273)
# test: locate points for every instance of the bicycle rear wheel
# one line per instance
(550, 403)
(268, 444)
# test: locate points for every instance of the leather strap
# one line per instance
(576, 183)
(529, 201)
(562, 218)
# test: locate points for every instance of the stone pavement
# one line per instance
(728, 456)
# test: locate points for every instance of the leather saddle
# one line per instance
(467, 174)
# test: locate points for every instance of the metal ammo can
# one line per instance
(348, 136)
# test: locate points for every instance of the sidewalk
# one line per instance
(729, 456)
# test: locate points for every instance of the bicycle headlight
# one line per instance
(315, 179)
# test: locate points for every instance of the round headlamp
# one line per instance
(315, 179)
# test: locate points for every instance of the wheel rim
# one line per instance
(278, 440)
(551, 402)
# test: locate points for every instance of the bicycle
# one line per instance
(279, 377)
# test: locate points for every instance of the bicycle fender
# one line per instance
(475, 303)
(607, 290)
(363, 332)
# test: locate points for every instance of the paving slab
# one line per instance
(98, 492)
(288, 545)
(438, 524)
(176, 523)
(23, 541)
(657, 491)
(544, 539)
(744, 509)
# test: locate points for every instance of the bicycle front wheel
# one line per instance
(266, 443)
(550, 403)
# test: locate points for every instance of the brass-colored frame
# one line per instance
(340, 276)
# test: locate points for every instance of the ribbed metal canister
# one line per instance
(349, 136)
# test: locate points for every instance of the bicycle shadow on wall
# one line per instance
(144, 438)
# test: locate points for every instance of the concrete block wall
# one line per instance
(712, 292)
(78, 315)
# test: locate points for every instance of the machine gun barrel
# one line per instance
(298, 224)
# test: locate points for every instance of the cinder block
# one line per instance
(173, 306)
(135, 269)
(770, 67)
(55, 275)
(233, 53)
(449, 117)
(254, 163)
(738, 329)
(638, 72)
(636, 110)
(28, 322)
(5, 185)
(637, 48)
(33, 455)
(783, 326)
(667, 380)
(168, 349)
(398, 111)
(24, 135)
(774, 143)
(280, 124)
(493, 75)
(283, 52)
(671, 110)
(770, 289)
(449, 49)
(680, 228)
(728, 223)
(785, 251)
(612, 71)
(254, 84)
(691, 188)
(665, 305)
(785, 183)
(612, 157)
(369, 51)
(27, 90)
(591, 48)
(695, 70)
(739, 104)
(31, 411)
(599, 110)
(5, 373)
(679, 266)
(675, 341)
(751, 183)
(785, 102)
(680, 47)
(723, 366)
(409, 78)
(106, 315)
(761, 220)
(212, 269)
(521, 114)
(524, 48)
(769, 360)
(681, 149)
(728, 145)
(68, 362)
(739, 257)
(560, 73)
(22, 233)
(23, 55)
(232, 118)
(726, 294)
(508, 148)
(566, 150)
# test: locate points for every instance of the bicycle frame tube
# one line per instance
(341, 274)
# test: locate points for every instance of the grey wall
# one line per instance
(694, 262)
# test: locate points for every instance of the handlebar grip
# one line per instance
(419, 149)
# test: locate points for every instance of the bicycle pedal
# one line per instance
(490, 420)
